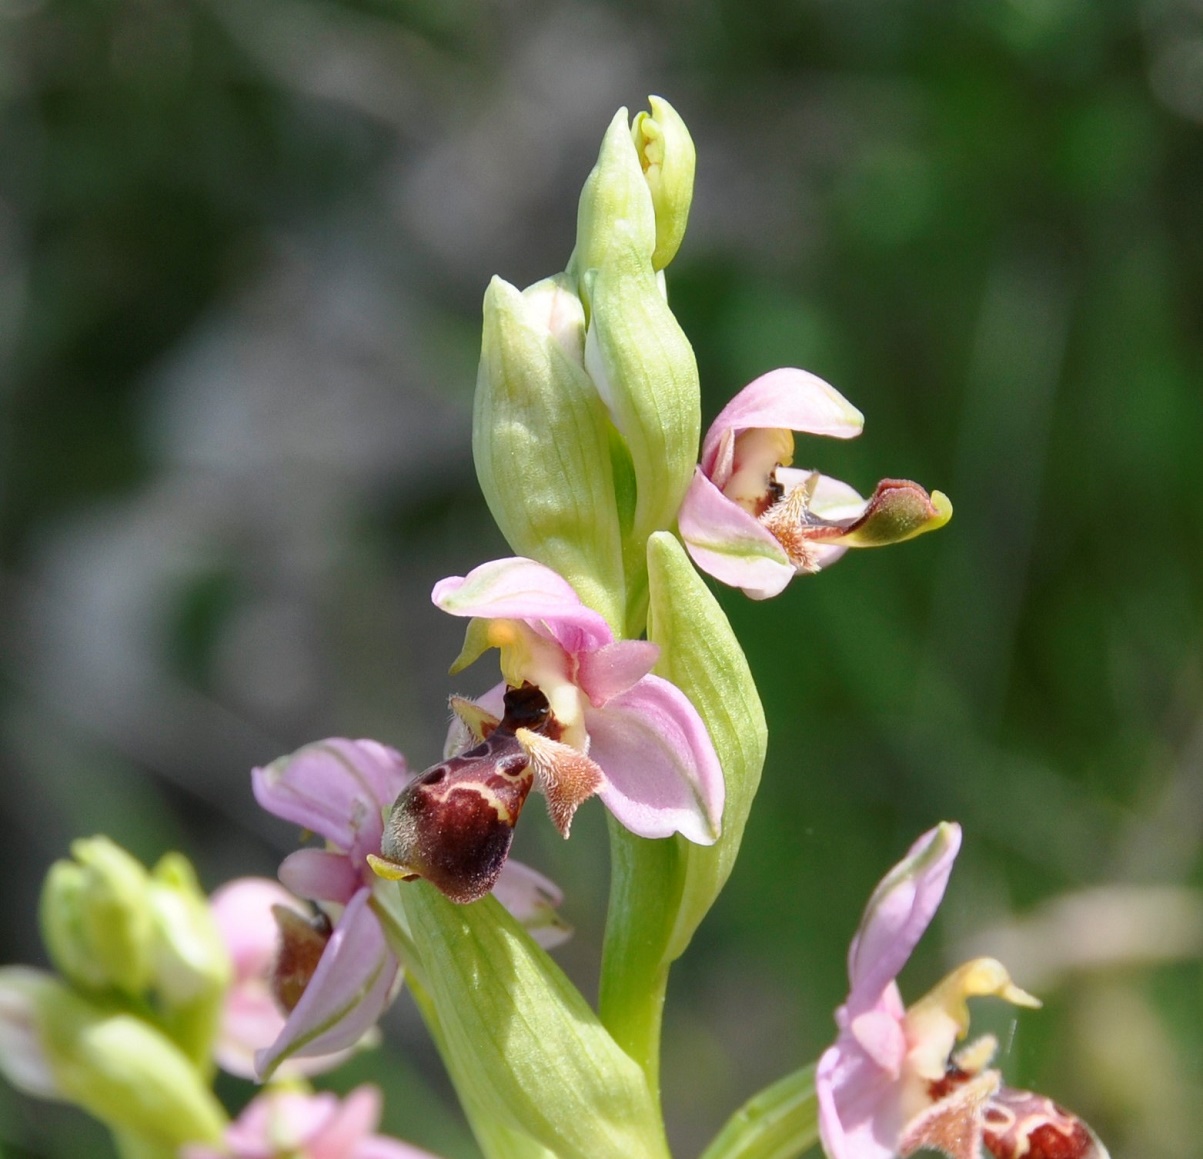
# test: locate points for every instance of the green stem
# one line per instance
(778, 1123)
(645, 893)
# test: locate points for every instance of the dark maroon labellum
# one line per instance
(453, 824)
(302, 940)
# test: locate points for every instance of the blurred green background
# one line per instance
(242, 252)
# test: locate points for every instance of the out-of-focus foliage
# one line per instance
(242, 251)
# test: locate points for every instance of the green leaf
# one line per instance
(522, 1046)
(701, 656)
(778, 1123)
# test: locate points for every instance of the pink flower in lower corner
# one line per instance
(328, 969)
(288, 1124)
(753, 521)
(892, 1084)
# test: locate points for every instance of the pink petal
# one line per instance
(521, 589)
(663, 775)
(350, 989)
(354, 1120)
(250, 1017)
(321, 875)
(725, 541)
(242, 911)
(831, 1130)
(882, 1038)
(279, 1120)
(337, 788)
(858, 1106)
(533, 900)
(900, 909)
(250, 1021)
(614, 668)
(792, 399)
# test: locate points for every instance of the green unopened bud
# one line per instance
(667, 156)
(644, 368)
(96, 918)
(616, 195)
(540, 438)
(190, 959)
(115, 1066)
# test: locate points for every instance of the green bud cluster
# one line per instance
(126, 1032)
(587, 414)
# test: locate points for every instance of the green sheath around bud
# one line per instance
(96, 918)
(667, 156)
(540, 438)
(615, 196)
(191, 965)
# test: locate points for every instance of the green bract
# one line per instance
(112, 927)
(541, 439)
(644, 368)
(191, 965)
(701, 656)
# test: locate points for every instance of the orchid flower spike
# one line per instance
(330, 971)
(891, 1084)
(293, 1124)
(577, 714)
(754, 522)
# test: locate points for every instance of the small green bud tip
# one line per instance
(668, 158)
(898, 510)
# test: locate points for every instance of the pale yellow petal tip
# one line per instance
(988, 977)
(942, 506)
(389, 870)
